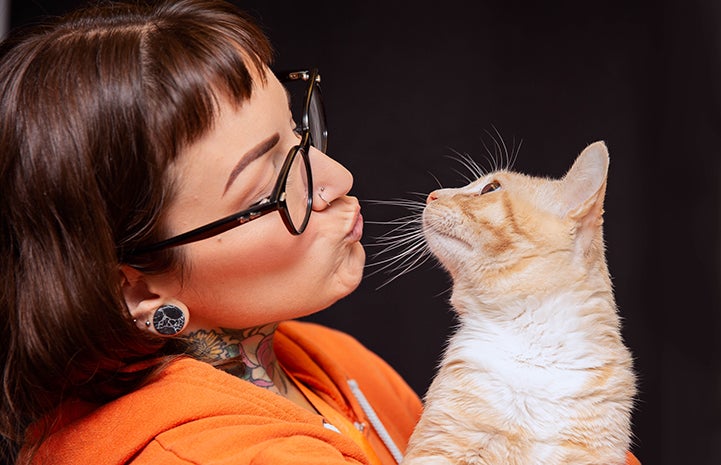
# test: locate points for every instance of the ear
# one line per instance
(135, 289)
(583, 190)
(142, 298)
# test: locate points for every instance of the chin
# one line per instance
(349, 274)
(355, 267)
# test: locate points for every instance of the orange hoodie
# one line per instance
(193, 413)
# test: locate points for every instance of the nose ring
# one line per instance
(320, 194)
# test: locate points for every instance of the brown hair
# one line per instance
(93, 108)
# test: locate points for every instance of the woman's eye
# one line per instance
(491, 187)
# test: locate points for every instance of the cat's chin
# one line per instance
(447, 248)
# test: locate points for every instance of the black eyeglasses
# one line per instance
(292, 195)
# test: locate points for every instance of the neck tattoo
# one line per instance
(246, 353)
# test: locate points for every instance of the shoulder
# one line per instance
(315, 335)
(193, 413)
(306, 345)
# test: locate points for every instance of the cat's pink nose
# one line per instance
(431, 197)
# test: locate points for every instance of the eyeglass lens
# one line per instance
(316, 121)
(297, 191)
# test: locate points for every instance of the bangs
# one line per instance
(189, 67)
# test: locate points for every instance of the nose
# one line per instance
(432, 196)
(331, 180)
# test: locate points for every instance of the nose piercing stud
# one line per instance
(320, 194)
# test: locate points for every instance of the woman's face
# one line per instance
(259, 273)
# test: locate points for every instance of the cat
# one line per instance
(536, 372)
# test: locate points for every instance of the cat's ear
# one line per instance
(584, 188)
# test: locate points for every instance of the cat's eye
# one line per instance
(491, 187)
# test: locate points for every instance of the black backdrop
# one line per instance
(408, 84)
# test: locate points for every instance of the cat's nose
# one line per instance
(431, 197)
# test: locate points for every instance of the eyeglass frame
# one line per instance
(276, 200)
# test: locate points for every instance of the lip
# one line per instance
(356, 232)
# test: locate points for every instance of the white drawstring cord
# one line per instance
(375, 421)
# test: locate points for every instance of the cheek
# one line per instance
(261, 253)
(253, 277)
(260, 273)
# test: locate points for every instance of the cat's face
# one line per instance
(493, 222)
(507, 225)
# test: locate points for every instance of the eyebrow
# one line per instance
(250, 156)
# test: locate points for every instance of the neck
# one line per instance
(245, 353)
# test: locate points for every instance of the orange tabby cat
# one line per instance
(537, 372)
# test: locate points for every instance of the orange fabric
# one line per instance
(631, 459)
(193, 413)
(340, 422)
(325, 367)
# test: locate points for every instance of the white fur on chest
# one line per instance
(529, 365)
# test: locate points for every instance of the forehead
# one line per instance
(204, 165)
(243, 124)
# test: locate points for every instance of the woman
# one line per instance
(124, 126)
(162, 211)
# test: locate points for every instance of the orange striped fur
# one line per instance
(537, 372)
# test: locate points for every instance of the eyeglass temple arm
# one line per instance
(209, 230)
(295, 75)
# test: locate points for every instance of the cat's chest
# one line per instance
(547, 353)
(520, 364)
(514, 380)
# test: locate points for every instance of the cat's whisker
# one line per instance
(476, 169)
(416, 264)
(503, 149)
(402, 248)
(465, 178)
(500, 155)
(467, 162)
(398, 224)
(412, 259)
(491, 156)
(411, 205)
(514, 153)
(400, 259)
(464, 160)
(398, 239)
(401, 220)
(401, 202)
(446, 291)
(402, 230)
(440, 185)
(404, 262)
(396, 242)
(421, 197)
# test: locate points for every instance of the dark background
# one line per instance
(408, 84)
